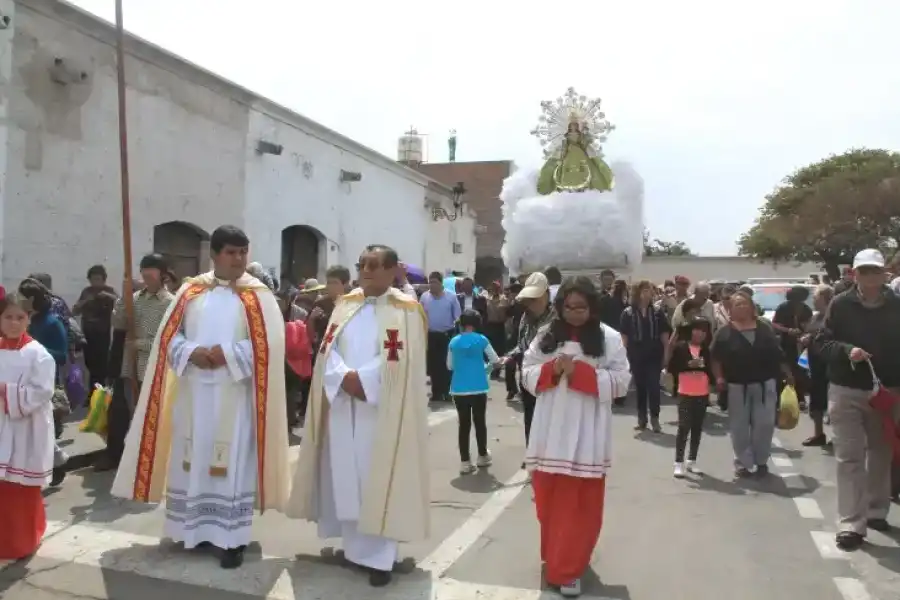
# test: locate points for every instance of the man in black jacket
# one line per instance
(862, 328)
(469, 300)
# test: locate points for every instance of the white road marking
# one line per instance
(852, 589)
(272, 578)
(824, 541)
(458, 542)
(793, 481)
(782, 462)
(808, 508)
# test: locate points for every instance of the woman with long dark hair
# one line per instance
(645, 332)
(575, 367)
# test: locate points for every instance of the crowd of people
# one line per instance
(349, 358)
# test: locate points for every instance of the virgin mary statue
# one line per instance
(568, 213)
(571, 167)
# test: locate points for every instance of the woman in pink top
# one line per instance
(692, 363)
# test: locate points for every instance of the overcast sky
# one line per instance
(714, 102)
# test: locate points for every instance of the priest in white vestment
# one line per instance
(362, 473)
(210, 426)
(576, 366)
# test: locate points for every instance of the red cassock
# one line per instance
(22, 520)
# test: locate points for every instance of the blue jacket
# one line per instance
(48, 331)
(465, 357)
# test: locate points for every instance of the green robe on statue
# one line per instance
(575, 172)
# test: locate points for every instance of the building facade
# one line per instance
(203, 152)
(706, 268)
(483, 181)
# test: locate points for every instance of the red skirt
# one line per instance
(22, 520)
(570, 513)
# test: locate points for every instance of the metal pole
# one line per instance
(128, 290)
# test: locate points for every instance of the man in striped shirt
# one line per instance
(129, 356)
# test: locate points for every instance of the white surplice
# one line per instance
(348, 442)
(26, 415)
(201, 507)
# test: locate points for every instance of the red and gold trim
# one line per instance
(147, 449)
(256, 326)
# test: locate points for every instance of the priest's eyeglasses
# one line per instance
(369, 264)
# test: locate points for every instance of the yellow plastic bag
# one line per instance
(789, 409)
(96, 419)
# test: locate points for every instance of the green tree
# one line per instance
(826, 212)
(657, 247)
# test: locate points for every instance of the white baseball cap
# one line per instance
(870, 257)
(535, 287)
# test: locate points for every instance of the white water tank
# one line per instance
(409, 148)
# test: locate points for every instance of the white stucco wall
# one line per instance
(698, 268)
(383, 208)
(192, 143)
(442, 234)
(63, 210)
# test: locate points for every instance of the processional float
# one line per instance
(576, 212)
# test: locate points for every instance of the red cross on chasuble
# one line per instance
(393, 345)
(329, 337)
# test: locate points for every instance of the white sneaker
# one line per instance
(679, 470)
(466, 467)
(484, 461)
(571, 589)
(693, 468)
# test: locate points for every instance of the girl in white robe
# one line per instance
(576, 366)
(27, 374)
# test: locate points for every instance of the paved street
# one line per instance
(705, 538)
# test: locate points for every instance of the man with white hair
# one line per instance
(256, 270)
(707, 308)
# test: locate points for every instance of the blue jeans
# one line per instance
(646, 379)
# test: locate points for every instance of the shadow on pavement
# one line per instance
(480, 482)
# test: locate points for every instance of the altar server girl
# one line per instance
(27, 373)
(575, 367)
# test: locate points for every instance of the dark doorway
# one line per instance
(182, 245)
(299, 253)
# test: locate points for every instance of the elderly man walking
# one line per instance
(861, 339)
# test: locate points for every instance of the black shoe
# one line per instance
(815, 441)
(232, 558)
(762, 470)
(741, 472)
(59, 474)
(511, 396)
(641, 426)
(379, 578)
(878, 524)
(848, 541)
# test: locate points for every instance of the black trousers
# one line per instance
(96, 356)
(512, 383)
(528, 412)
(119, 417)
(472, 410)
(646, 380)
(436, 363)
(691, 414)
(496, 335)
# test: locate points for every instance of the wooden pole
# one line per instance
(128, 290)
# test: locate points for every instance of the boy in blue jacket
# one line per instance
(469, 386)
